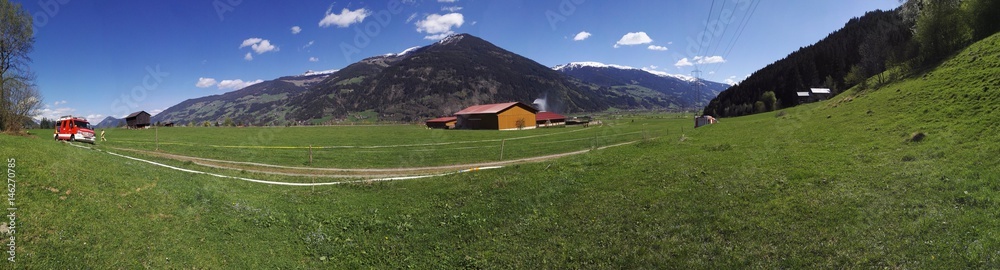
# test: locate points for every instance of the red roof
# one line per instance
(492, 108)
(445, 119)
(545, 116)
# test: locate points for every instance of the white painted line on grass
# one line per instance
(292, 183)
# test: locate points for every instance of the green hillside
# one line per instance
(836, 184)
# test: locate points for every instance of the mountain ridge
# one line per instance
(679, 91)
(418, 83)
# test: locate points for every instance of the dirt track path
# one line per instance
(351, 172)
(367, 178)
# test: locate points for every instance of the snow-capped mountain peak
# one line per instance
(575, 65)
(589, 64)
(452, 39)
(664, 74)
(322, 72)
(404, 52)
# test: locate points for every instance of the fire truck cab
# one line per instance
(70, 128)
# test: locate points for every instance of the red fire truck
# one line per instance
(70, 128)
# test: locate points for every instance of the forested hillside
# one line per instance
(917, 35)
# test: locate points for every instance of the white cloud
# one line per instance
(700, 60)
(258, 45)
(345, 18)
(439, 26)
(657, 48)
(154, 112)
(95, 117)
(224, 84)
(264, 46)
(451, 9)
(311, 42)
(709, 59)
(439, 36)
(581, 36)
(296, 29)
(670, 43)
(711, 73)
(236, 84)
(731, 80)
(684, 62)
(54, 114)
(250, 42)
(651, 67)
(61, 102)
(313, 59)
(205, 82)
(635, 38)
(412, 16)
(447, 1)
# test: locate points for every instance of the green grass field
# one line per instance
(390, 146)
(835, 184)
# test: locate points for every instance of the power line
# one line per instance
(711, 9)
(743, 25)
(725, 27)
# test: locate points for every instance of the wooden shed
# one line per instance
(803, 97)
(138, 119)
(500, 116)
(442, 122)
(548, 119)
(704, 120)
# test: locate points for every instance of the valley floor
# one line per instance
(844, 183)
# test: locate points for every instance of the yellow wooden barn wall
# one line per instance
(508, 119)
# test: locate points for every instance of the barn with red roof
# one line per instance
(548, 119)
(447, 122)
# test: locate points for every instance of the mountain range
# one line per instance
(109, 122)
(670, 90)
(440, 79)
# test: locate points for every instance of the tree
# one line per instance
(940, 30)
(769, 100)
(46, 123)
(520, 123)
(23, 101)
(228, 122)
(855, 77)
(873, 51)
(19, 98)
(983, 16)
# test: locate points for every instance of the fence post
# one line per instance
(310, 155)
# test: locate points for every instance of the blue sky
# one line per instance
(113, 57)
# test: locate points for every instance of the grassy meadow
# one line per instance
(899, 176)
(387, 146)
